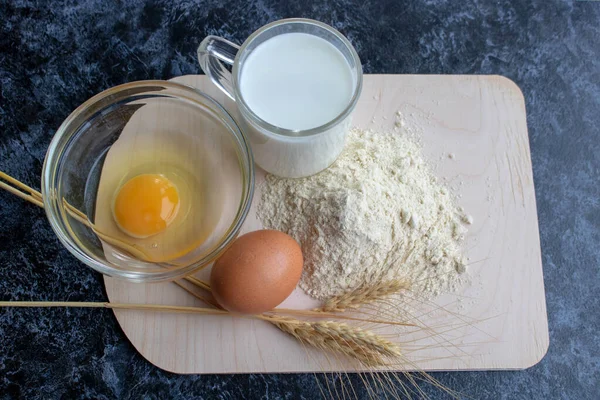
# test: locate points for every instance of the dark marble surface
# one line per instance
(54, 55)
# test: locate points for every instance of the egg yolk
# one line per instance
(146, 205)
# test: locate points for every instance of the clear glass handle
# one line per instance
(212, 53)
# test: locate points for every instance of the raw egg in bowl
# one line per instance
(148, 181)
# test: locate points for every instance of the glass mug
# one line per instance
(284, 152)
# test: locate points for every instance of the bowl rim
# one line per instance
(70, 126)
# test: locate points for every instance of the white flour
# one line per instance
(376, 213)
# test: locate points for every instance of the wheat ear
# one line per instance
(364, 294)
(365, 346)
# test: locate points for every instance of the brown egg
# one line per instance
(257, 272)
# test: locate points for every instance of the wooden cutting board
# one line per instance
(474, 132)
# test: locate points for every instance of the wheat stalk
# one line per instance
(370, 349)
(364, 294)
(114, 306)
(365, 346)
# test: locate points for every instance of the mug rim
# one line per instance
(296, 133)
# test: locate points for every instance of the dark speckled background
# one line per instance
(54, 55)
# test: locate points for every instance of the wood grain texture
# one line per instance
(498, 321)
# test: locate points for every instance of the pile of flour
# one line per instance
(377, 213)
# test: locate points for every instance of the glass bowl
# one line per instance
(75, 159)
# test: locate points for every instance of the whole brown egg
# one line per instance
(258, 272)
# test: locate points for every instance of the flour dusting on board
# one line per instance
(377, 213)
